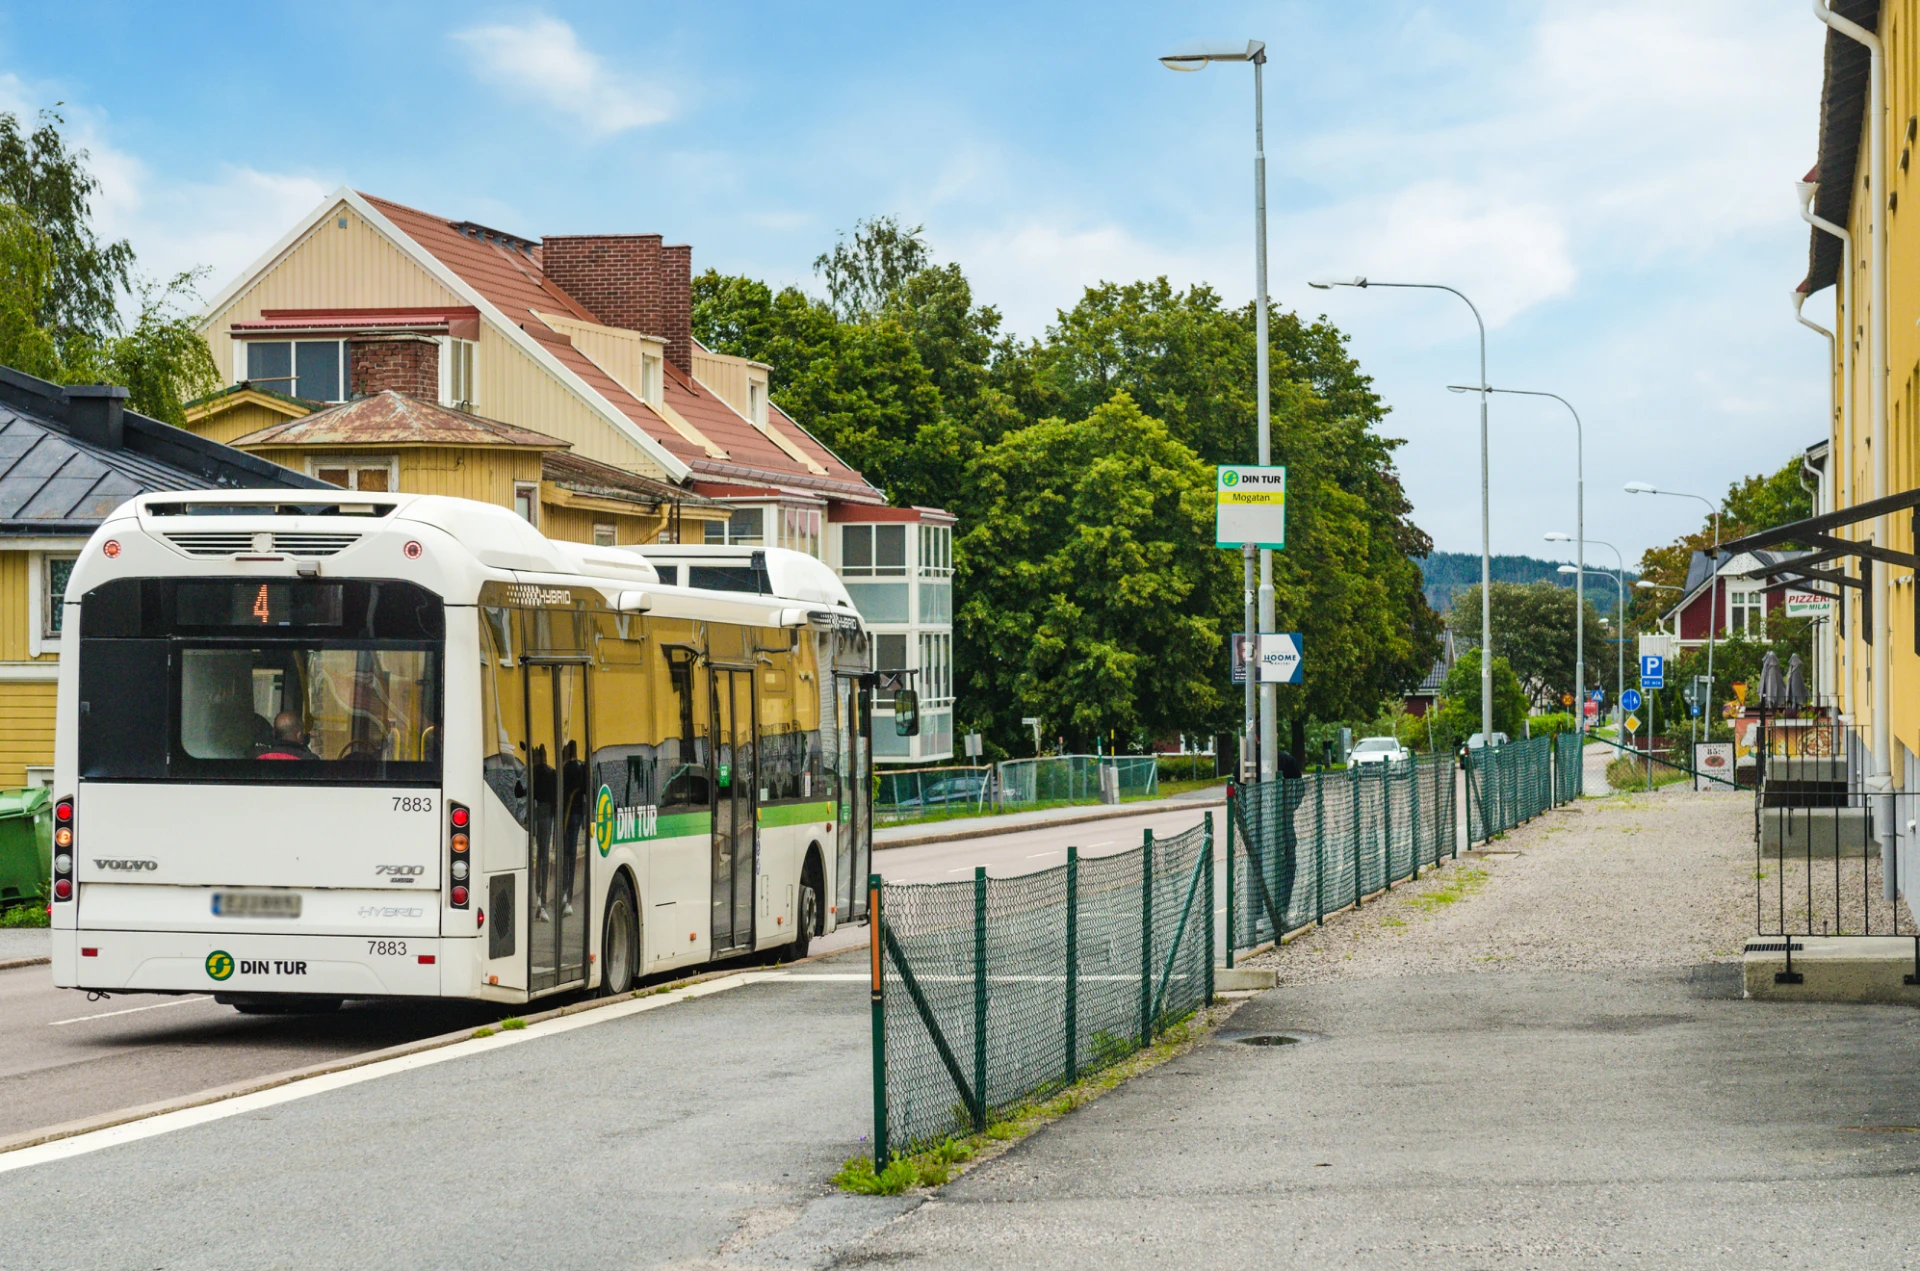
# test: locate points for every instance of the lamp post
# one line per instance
(1620, 614)
(1486, 520)
(1579, 526)
(1620, 607)
(1713, 608)
(1197, 58)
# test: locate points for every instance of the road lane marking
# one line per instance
(1102, 843)
(1037, 855)
(220, 1109)
(81, 1019)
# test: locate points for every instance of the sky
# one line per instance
(1609, 181)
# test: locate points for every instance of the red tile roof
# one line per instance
(507, 272)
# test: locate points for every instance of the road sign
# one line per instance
(1633, 723)
(1250, 506)
(1566, 699)
(1653, 671)
(973, 745)
(1693, 710)
(1598, 695)
(1631, 699)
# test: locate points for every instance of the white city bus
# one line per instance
(313, 747)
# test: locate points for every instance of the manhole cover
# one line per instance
(1270, 1039)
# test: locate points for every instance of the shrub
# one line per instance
(1551, 725)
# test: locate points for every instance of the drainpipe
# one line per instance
(1880, 781)
(1821, 490)
(1839, 474)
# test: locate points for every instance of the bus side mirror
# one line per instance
(906, 713)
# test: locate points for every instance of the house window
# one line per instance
(456, 374)
(603, 535)
(936, 551)
(889, 654)
(936, 669)
(800, 530)
(313, 369)
(1748, 612)
(526, 501)
(745, 526)
(757, 403)
(54, 572)
(873, 551)
(374, 474)
(650, 379)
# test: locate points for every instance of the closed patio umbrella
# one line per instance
(1773, 689)
(1796, 683)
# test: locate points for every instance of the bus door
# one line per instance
(853, 747)
(561, 823)
(736, 843)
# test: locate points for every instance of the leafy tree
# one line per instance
(61, 288)
(1534, 630)
(1089, 579)
(862, 275)
(1460, 703)
(1753, 504)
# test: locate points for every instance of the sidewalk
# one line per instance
(915, 833)
(1551, 1068)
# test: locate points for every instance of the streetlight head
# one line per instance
(1555, 536)
(1644, 585)
(1323, 284)
(1194, 57)
(1567, 569)
(1640, 487)
(1469, 388)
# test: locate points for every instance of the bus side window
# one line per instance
(683, 748)
(501, 708)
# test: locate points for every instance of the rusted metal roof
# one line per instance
(394, 419)
(604, 481)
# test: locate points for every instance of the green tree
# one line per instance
(1460, 703)
(1534, 631)
(862, 275)
(1089, 579)
(1752, 504)
(61, 288)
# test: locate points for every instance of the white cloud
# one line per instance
(541, 60)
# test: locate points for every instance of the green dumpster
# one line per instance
(26, 846)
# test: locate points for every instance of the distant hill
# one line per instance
(1445, 573)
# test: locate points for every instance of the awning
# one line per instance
(1816, 532)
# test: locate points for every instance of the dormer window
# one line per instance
(757, 403)
(456, 374)
(313, 369)
(650, 378)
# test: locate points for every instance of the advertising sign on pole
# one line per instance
(1712, 759)
(1280, 659)
(1593, 710)
(1808, 604)
(1250, 506)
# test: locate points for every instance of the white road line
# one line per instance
(185, 1118)
(1102, 843)
(1037, 855)
(81, 1019)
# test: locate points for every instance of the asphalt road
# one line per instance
(63, 1058)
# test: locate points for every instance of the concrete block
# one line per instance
(1822, 833)
(1243, 979)
(1810, 768)
(1834, 969)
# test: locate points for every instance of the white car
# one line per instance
(1378, 750)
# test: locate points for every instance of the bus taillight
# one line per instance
(460, 858)
(63, 849)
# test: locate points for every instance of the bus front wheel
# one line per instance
(620, 942)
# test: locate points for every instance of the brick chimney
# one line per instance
(407, 364)
(631, 281)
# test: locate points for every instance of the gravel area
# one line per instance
(1627, 881)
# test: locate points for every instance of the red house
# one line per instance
(1737, 601)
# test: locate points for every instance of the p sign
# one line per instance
(1653, 671)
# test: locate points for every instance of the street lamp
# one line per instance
(1619, 584)
(1579, 526)
(1713, 586)
(1620, 615)
(1486, 520)
(1197, 58)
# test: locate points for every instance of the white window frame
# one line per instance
(1751, 604)
(240, 374)
(935, 551)
(458, 361)
(610, 530)
(41, 602)
(358, 464)
(650, 373)
(757, 404)
(532, 490)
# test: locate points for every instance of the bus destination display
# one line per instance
(259, 604)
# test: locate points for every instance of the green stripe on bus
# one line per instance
(795, 814)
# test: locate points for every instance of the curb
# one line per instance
(1110, 815)
(11, 963)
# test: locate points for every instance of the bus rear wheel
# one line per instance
(807, 917)
(620, 942)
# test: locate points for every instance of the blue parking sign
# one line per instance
(1653, 671)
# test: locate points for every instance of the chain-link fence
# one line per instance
(1075, 778)
(1569, 767)
(1507, 785)
(993, 992)
(1299, 850)
(918, 794)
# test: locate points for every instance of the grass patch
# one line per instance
(1459, 885)
(949, 1158)
(513, 1022)
(1629, 772)
(31, 915)
(484, 1032)
(1392, 922)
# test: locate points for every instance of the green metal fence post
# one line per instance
(1413, 856)
(1073, 965)
(1209, 851)
(1353, 831)
(1230, 803)
(1320, 847)
(979, 997)
(1146, 938)
(880, 1154)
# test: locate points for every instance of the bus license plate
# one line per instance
(256, 904)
